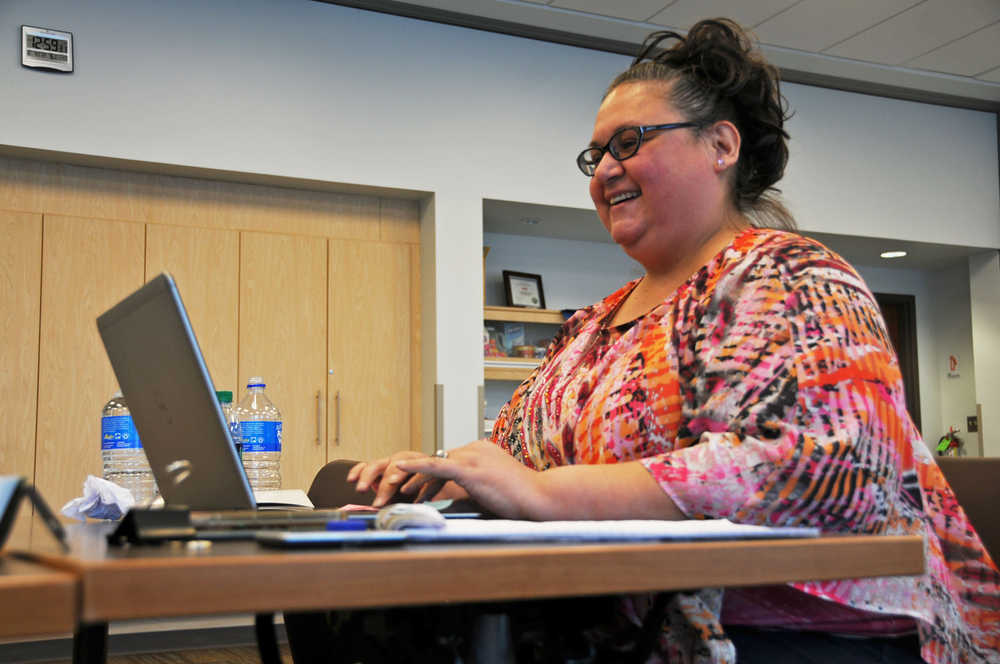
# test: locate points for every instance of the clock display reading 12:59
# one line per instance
(43, 48)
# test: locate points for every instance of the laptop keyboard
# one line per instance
(263, 519)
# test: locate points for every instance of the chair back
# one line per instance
(330, 488)
(976, 483)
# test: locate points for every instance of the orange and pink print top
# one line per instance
(765, 390)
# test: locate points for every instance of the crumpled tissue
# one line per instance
(101, 499)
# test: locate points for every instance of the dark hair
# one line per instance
(717, 74)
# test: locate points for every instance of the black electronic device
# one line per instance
(161, 372)
(12, 489)
(45, 48)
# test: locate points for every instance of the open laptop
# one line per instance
(170, 394)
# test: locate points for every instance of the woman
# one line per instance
(746, 375)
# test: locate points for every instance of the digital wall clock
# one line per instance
(42, 48)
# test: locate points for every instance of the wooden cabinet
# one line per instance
(88, 265)
(20, 299)
(20, 287)
(372, 354)
(283, 322)
(206, 267)
(316, 292)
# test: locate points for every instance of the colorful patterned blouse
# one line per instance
(765, 390)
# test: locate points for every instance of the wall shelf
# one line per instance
(509, 368)
(516, 368)
(523, 315)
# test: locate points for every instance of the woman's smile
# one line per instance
(618, 199)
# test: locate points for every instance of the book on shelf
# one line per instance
(513, 336)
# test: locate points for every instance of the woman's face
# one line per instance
(665, 199)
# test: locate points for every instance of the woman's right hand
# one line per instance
(382, 476)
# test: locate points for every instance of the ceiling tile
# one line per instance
(791, 32)
(685, 13)
(632, 10)
(918, 30)
(992, 75)
(813, 25)
(975, 54)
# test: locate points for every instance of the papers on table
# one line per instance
(502, 530)
(281, 499)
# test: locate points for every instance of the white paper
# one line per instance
(101, 499)
(282, 498)
(581, 531)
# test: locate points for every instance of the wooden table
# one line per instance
(35, 599)
(119, 583)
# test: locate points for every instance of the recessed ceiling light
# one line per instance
(531, 221)
(892, 254)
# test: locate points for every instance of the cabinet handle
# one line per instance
(336, 431)
(319, 418)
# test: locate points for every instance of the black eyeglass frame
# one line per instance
(589, 167)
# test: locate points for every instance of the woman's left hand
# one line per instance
(491, 477)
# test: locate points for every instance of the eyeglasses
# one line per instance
(623, 144)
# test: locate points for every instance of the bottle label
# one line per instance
(261, 436)
(118, 433)
(236, 434)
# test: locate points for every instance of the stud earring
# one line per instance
(722, 162)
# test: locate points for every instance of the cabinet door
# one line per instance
(87, 267)
(371, 334)
(283, 340)
(20, 287)
(205, 264)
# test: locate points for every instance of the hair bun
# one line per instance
(717, 73)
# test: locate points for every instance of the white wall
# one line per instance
(308, 90)
(984, 280)
(950, 309)
(876, 167)
(575, 274)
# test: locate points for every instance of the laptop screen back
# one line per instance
(163, 377)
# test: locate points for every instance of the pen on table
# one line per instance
(347, 524)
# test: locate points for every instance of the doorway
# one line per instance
(900, 314)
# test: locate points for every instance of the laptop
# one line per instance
(161, 372)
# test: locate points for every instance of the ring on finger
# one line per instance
(441, 454)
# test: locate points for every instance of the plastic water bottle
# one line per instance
(260, 425)
(232, 419)
(125, 461)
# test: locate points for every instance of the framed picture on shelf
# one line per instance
(523, 289)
